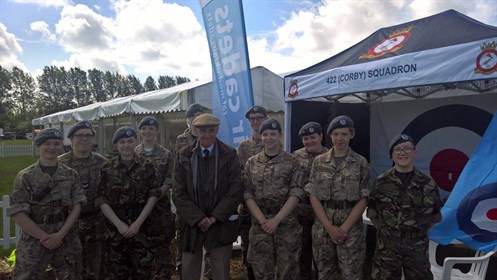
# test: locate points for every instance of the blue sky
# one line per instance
(158, 37)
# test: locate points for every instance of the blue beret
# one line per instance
(123, 132)
(270, 124)
(149, 121)
(194, 108)
(310, 128)
(80, 125)
(340, 122)
(255, 110)
(47, 133)
(399, 139)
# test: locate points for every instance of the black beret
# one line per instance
(399, 139)
(80, 125)
(310, 128)
(256, 109)
(340, 122)
(193, 109)
(47, 133)
(270, 124)
(123, 132)
(148, 121)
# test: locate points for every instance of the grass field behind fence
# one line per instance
(8, 170)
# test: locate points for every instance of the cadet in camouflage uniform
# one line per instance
(312, 137)
(91, 222)
(403, 205)
(250, 147)
(273, 182)
(46, 202)
(338, 188)
(187, 137)
(183, 140)
(128, 190)
(161, 221)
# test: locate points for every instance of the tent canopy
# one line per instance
(267, 91)
(444, 51)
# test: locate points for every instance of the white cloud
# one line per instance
(9, 49)
(45, 3)
(43, 28)
(82, 30)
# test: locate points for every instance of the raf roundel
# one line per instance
(311, 129)
(343, 121)
(129, 133)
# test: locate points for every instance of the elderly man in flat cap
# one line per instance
(403, 206)
(250, 147)
(128, 190)
(162, 227)
(187, 137)
(91, 221)
(338, 189)
(207, 191)
(46, 202)
(312, 138)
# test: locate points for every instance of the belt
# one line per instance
(339, 204)
(129, 212)
(48, 219)
(403, 234)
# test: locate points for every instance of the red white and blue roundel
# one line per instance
(477, 213)
(446, 137)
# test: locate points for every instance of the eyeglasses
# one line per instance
(398, 151)
(254, 119)
(83, 136)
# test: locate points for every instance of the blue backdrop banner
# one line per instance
(470, 213)
(232, 82)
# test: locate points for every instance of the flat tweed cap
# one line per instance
(206, 120)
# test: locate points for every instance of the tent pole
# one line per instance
(288, 127)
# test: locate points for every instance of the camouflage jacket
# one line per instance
(63, 190)
(127, 188)
(91, 220)
(270, 182)
(183, 140)
(304, 209)
(248, 148)
(392, 207)
(350, 180)
(163, 162)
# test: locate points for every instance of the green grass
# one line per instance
(8, 170)
(16, 142)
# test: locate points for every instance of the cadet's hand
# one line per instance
(122, 227)
(270, 225)
(52, 241)
(337, 235)
(132, 230)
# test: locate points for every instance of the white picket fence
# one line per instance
(7, 241)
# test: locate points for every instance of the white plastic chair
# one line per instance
(478, 270)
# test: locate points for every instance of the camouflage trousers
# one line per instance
(275, 256)
(339, 262)
(306, 258)
(92, 259)
(128, 258)
(32, 258)
(161, 231)
(394, 254)
(245, 224)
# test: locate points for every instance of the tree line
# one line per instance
(23, 98)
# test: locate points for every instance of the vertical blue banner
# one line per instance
(470, 213)
(231, 78)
